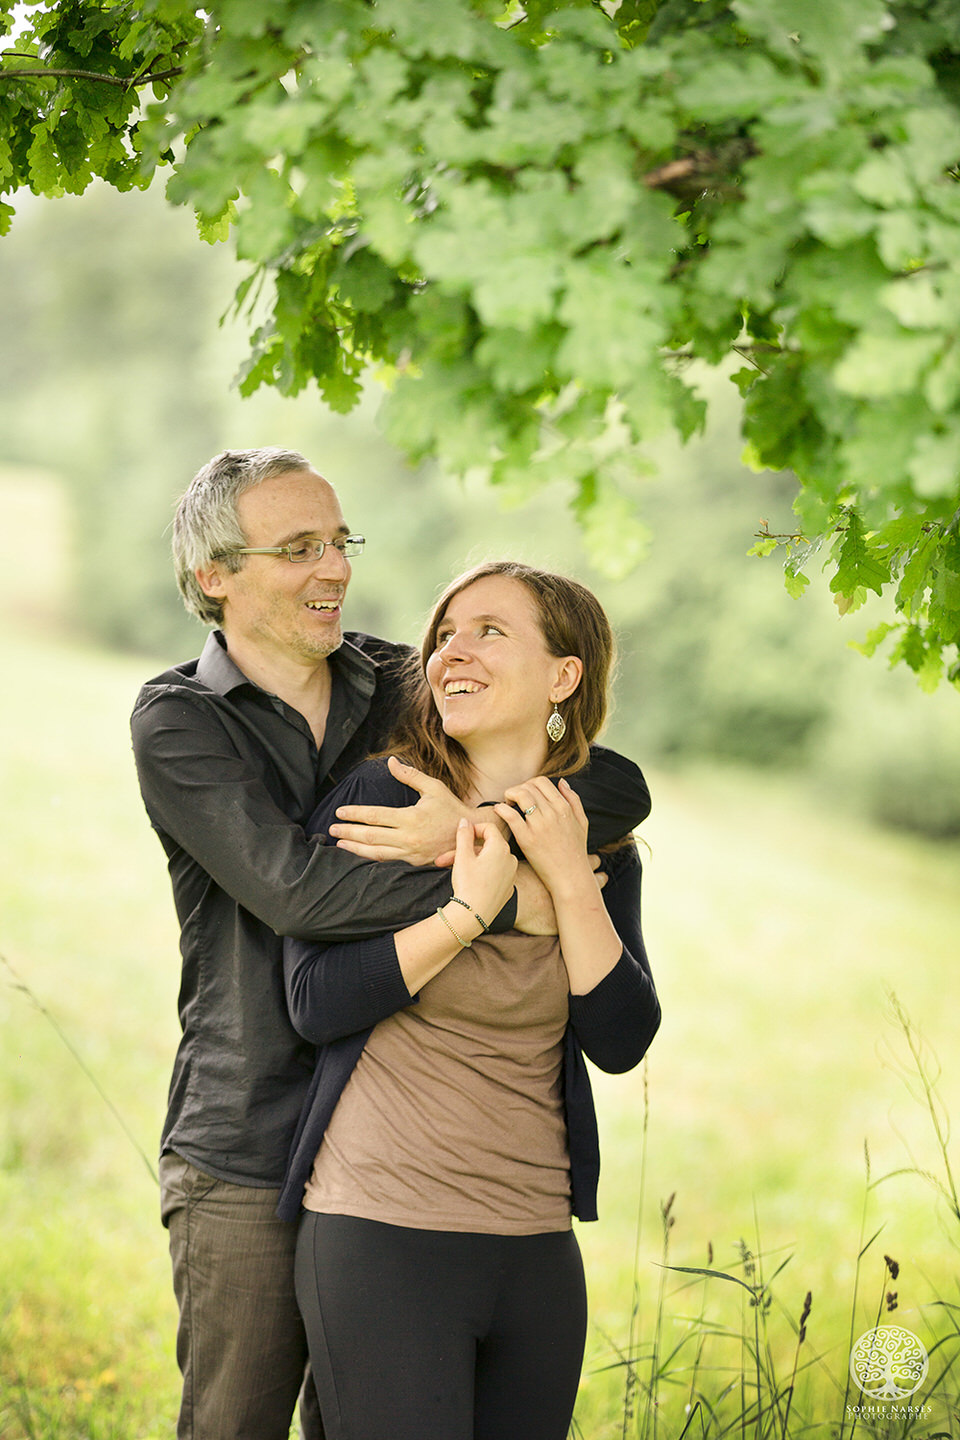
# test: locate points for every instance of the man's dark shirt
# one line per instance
(230, 775)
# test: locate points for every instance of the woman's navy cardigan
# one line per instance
(338, 992)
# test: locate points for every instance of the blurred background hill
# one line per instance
(114, 390)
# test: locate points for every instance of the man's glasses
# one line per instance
(301, 552)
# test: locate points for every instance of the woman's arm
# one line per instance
(337, 989)
(550, 827)
(616, 1020)
(613, 1003)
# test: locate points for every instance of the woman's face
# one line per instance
(490, 673)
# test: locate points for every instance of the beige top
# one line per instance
(453, 1118)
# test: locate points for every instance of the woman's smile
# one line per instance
(462, 687)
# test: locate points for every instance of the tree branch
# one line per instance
(796, 538)
(63, 74)
(747, 352)
(701, 168)
(666, 174)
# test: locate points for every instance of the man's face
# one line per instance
(287, 612)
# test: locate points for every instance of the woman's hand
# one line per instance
(483, 868)
(553, 837)
(550, 827)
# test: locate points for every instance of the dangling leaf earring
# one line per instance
(556, 725)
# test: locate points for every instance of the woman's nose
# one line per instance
(454, 648)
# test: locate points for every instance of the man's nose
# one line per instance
(332, 564)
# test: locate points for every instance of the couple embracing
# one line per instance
(409, 907)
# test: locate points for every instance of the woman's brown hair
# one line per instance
(572, 622)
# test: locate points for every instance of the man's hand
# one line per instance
(535, 912)
(423, 834)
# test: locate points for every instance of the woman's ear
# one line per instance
(569, 675)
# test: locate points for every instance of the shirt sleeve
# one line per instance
(337, 989)
(206, 798)
(616, 1020)
(614, 795)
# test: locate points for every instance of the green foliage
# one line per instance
(531, 219)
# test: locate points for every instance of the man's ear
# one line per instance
(569, 676)
(210, 580)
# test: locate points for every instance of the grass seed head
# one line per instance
(804, 1316)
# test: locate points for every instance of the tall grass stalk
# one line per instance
(801, 1337)
(700, 1331)
(757, 1367)
(17, 983)
(952, 1313)
(631, 1378)
(668, 1220)
(926, 1073)
(748, 1272)
(764, 1363)
(861, 1251)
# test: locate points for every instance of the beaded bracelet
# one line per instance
(464, 944)
(457, 901)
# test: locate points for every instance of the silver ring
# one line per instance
(529, 811)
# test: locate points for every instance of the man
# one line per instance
(233, 752)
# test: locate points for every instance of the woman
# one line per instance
(437, 1270)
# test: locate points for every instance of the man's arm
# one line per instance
(614, 794)
(423, 834)
(611, 788)
(207, 800)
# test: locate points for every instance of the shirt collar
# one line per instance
(219, 672)
(215, 667)
(356, 668)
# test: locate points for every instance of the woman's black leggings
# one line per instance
(432, 1335)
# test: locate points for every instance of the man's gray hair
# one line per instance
(206, 525)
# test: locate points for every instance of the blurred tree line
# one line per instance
(115, 377)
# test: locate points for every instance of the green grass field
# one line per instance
(776, 930)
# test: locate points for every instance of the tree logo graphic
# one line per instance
(888, 1363)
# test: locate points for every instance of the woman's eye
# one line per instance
(492, 630)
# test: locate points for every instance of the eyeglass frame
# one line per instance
(319, 547)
